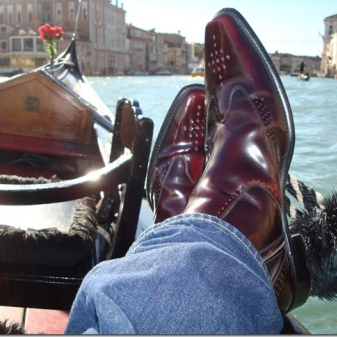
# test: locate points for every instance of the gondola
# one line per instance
(305, 76)
(71, 183)
(71, 159)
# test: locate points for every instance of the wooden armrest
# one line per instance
(94, 182)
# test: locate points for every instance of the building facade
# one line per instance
(177, 58)
(106, 45)
(290, 64)
(329, 54)
(101, 33)
(21, 49)
(137, 40)
(156, 53)
(107, 36)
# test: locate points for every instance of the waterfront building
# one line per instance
(101, 34)
(156, 53)
(137, 41)
(20, 49)
(332, 59)
(286, 63)
(329, 54)
(177, 59)
(106, 45)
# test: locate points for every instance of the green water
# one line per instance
(314, 106)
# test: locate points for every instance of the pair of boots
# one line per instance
(225, 149)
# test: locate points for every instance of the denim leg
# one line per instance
(191, 274)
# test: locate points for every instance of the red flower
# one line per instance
(50, 35)
(49, 32)
(59, 31)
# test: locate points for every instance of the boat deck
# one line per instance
(36, 321)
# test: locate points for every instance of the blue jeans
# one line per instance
(191, 274)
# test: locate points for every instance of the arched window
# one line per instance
(58, 11)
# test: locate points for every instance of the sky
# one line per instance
(286, 26)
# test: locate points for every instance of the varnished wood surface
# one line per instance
(35, 105)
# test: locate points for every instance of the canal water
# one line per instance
(314, 105)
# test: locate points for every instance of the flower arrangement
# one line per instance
(51, 35)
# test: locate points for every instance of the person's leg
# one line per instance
(196, 273)
(249, 146)
(191, 274)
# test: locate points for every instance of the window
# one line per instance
(46, 17)
(85, 10)
(5, 62)
(18, 14)
(39, 45)
(330, 30)
(85, 14)
(10, 13)
(39, 11)
(3, 29)
(3, 45)
(28, 44)
(59, 11)
(71, 11)
(16, 44)
(30, 12)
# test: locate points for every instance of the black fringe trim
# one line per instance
(319, 231)
(50, 246)
(11, 328)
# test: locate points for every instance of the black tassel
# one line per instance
(318, 227)
(11, 328)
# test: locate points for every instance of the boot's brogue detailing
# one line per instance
(178, 157)
(249, 146)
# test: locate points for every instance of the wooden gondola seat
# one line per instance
(96, 219)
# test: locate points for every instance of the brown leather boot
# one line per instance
(249, 147)
(178, 156)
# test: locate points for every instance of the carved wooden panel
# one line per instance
(34, 105)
